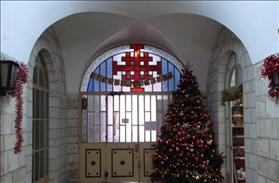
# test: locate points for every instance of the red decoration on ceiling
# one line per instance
(137, 67)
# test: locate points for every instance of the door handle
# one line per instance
(106, 174)
(136, 147)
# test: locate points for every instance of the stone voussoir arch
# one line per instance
(50, 49)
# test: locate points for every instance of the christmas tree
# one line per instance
(186, 150)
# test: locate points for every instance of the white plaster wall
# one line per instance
(255, 23)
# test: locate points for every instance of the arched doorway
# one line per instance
(125, 93)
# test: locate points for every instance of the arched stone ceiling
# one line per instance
(190, 38)
(255, 23)
(187, 29)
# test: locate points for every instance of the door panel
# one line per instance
(146, 166)
(112, 162)
(122, 161)
(93, 162)
(93, 165)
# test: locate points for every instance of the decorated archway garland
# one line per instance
(21, 78)
(271, 66)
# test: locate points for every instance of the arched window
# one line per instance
(125, 93)
(40, 145)
(235, 73)
(235, 120)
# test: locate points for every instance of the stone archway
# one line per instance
(216, 85)
(50, 50)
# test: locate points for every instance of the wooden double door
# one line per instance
(116, 162)
(118, 136)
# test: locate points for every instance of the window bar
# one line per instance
(150, 117)
(112, 105)
(100, 112)
(168, 101)
(99, 72)
(163, 107)
(168, 81)
(162, 74)
(106, 89)
(113, 120)
(115, 133)
(130, 122)
(119, 122)
(93, 100)
(85, 130)
(174, 77)
(132, 119)
(87, 120)
(173, 71)
(93, 119)
(125, 114)
(93, 85)
(138, 138)
(144, 101)
(106, 104)
(106, 84)
(162, 117)
(132, 125)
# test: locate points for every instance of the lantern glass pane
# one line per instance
(13, 77)
(275, 79)
(4, 74)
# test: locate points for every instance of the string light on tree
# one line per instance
(186, 151)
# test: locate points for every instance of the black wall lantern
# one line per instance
(7, 76)
(275, 80)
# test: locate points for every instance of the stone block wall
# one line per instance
(13, 166)
(73, 136)
(267, 132)
(53, 57)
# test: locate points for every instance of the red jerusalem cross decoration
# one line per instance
(136, 67)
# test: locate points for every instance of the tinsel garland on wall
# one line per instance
(21, 79)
